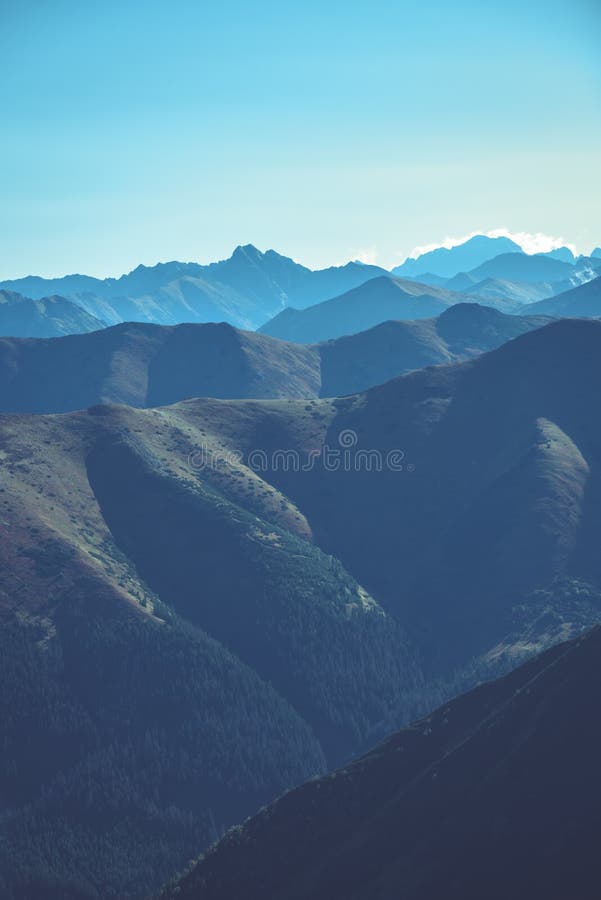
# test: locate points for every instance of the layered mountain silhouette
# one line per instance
(47, 317)
(511, 276)
(582, 301)
(244, 290)
(251, 287)
(513, 294)
(532, 269)
(359, 361)
(445, 263)
(363, 307)
(151, 365)
(494, 795)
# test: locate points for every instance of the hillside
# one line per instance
(207, 603)
(503, 453)
(494, 795)
(175, 649)
(583, 301)
(47, 317)
(370, 304)
(356, 362)
(151, 365)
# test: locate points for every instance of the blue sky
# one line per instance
(145, 131)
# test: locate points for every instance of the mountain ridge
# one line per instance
(147, 365)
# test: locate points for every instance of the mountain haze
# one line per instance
(245, 290)
(376, 301)
(47, 317)
(583, 301)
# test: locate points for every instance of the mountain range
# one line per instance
(445, 262)
(232, 563)
(251, 288)
(376, 301)
(152, 365)
(583, 301)
(48, 317)
(208, 603)
(244, 290)
(496, 794)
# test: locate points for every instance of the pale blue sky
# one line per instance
(140, 131)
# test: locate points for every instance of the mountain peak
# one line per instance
(449, 261)
(247, 251)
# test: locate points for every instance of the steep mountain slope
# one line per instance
(494, 795)
(446, 263)
(48, 317)
(363, 307)
(245, 290)
(583, 301)
(206, 603)
(496, 455)
(151, 365)
(175, 648)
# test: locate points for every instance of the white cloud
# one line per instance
(533, 243)
(530, 243)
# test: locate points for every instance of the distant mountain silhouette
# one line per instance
(583, 301)
(596, 254)
(508, 296)
(363, 307)
(495, 795)
(153, 365)
(534, 269)
(245, 290)
(445, 262)
(47, 317)
(562, 253)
